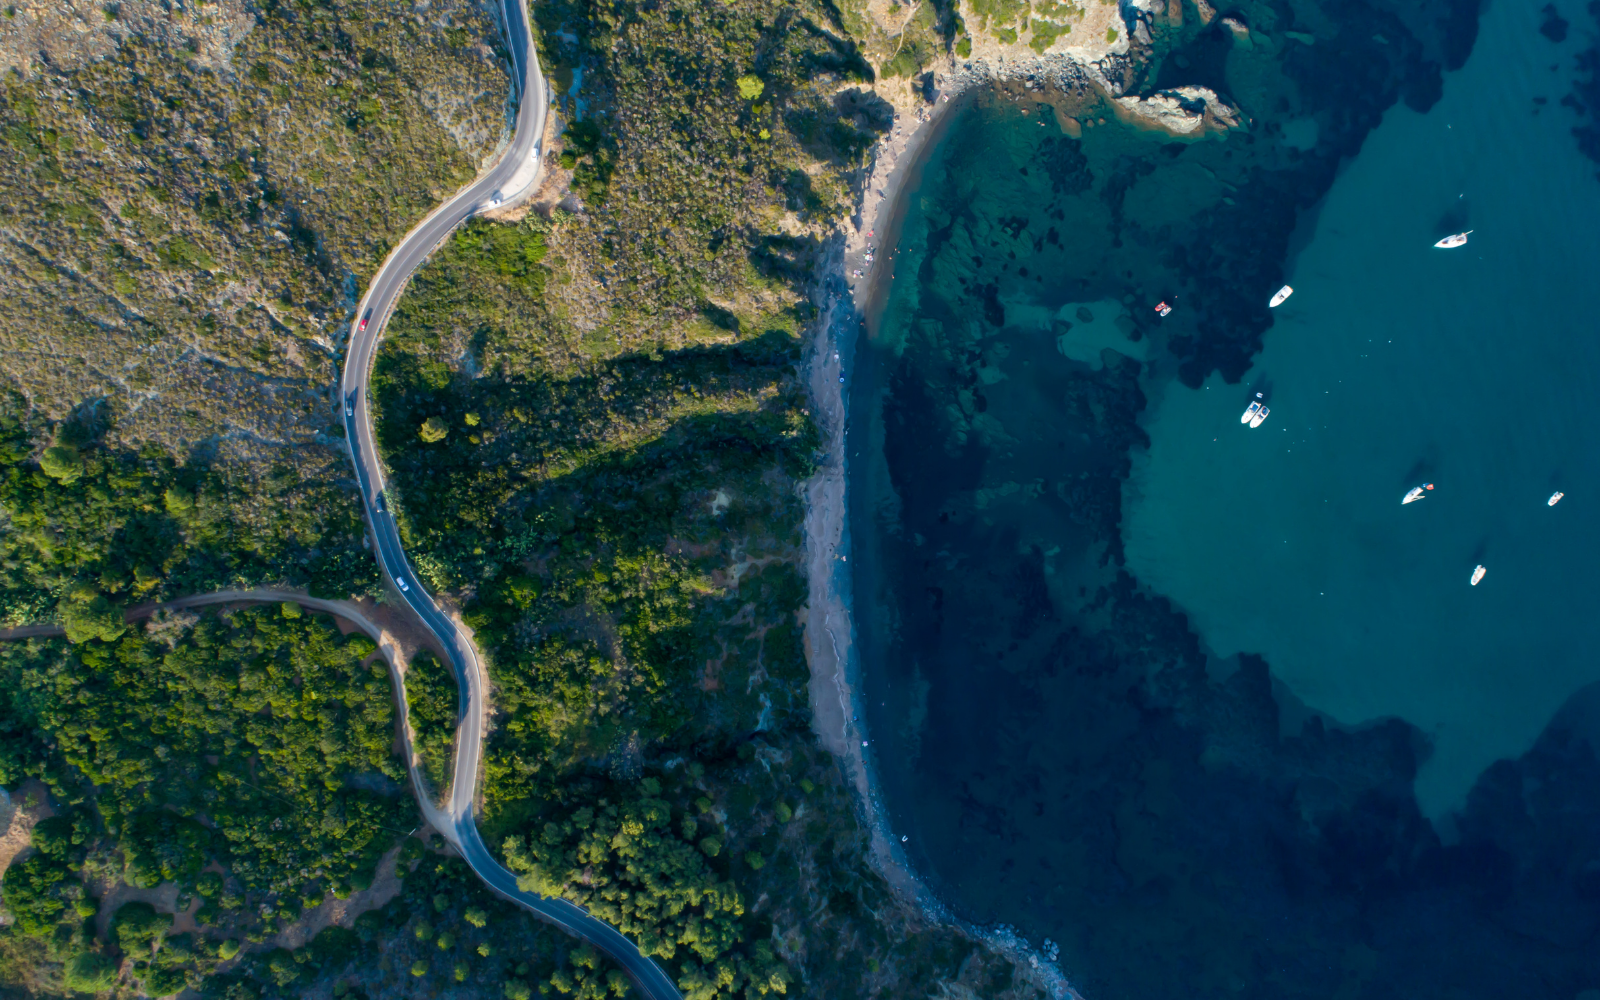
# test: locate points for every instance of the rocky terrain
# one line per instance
(194, 194)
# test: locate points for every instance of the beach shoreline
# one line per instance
(829, 626)
(852, 304)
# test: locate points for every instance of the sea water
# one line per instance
(1393, 364)
(1205, 704)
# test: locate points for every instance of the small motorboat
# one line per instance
(1280, 296)
(1416, 493)
(1458, 240)
(1555, 498)
(1163, 310)
(1251, 410)
(1478, 575)
(1260, 416)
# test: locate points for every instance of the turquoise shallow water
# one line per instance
(1204, 705)
(1476, 368)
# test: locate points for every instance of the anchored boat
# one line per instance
(1251, 410)
(1478, 575)
(1555, 498)
(1458, 240)
(1279, 297)
(1416, 493)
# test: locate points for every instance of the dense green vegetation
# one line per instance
(629, 864)
(442, 930)
(229, 737)
(92, 526)
(250, 739)
(431, 704)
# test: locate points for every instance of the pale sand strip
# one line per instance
(829, 626)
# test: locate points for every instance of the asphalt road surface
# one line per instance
(455, 821)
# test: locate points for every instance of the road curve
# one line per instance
(455, 820)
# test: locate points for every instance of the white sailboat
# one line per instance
(1555, 498)
(1478, 575)
(1458, 240)
(1279, 296)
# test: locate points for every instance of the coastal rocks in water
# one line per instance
(1241, 33)
(1182, 112)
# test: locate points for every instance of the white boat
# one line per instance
(1555, 498)
(1251, 410)
(1260, 416)
(1412, 495)
(1458, 240)
(1478, 575)
(1279, 297)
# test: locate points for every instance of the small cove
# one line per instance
(1104, 707)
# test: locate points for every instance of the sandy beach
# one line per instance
(829, 627)
(855, 291)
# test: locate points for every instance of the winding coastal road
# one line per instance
(511, 178)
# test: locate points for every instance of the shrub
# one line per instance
(750, 86)
(63, 463)
(89, 972)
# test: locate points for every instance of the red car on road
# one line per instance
(363, 327)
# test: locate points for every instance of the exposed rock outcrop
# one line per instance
(1183, 112)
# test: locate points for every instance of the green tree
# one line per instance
(750, 86)
(137, 927)
(96, 618)
(32, 892)
(434, 430)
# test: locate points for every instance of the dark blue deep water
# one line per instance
(1205, 704)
